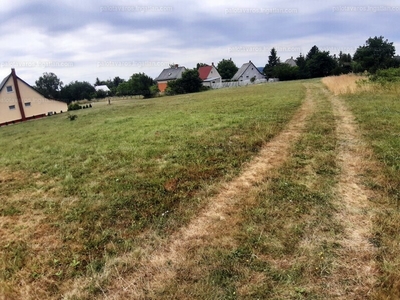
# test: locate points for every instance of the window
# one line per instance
(27, 104)
(11, 107)
(9, 89)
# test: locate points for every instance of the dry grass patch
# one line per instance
(346, 84)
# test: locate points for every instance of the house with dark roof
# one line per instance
(248, 71)
(291, 62)
(209, 75)
(172, 73)
(20, 102)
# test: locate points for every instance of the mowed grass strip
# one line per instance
(284, 244)
(75, 193)
(378, 115)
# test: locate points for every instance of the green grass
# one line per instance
(292, 207)
(271, 258)
(378, 115)
(97, 183)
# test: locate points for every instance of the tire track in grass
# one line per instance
(156, 268)
(355, 274)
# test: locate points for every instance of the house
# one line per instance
(172, 73)
(103, 88)
(291, 62)
(209, 75)
(21, 102)
(247, 72)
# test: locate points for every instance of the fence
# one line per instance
(230, 84)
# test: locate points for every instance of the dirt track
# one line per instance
(357, 255)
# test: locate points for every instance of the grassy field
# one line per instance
(122, 179)
(76, 193)
(378, 114)
(283, 240)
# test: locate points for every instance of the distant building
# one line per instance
(246, 72)
(103, 88)
(209, 75)
(21, 102)
(291, 62)
(172, 73)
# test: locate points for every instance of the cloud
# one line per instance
(82, 40)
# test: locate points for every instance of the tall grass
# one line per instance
(347, 84)
(75, 193)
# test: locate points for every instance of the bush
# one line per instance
(74, 106)
(387, 76)
(100, 94)
(72, 117)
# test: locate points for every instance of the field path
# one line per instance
(356, 273)
(159, 266)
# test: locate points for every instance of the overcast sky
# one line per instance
(85, 39)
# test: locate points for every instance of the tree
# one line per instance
(377, 53)
(77, 90)
(141, 84)
(174, 88)
(273, 61)
(124, 89)
(313, 51)
(321, 64)
(117, 81)
(189, 83)
(154, 90)
(201, 65)
(303, 72)
(285, 72)
(49, 85)
(101, 94)
(138, 84)
(344, 64)
(227, 68)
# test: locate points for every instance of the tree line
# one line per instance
(377, 53)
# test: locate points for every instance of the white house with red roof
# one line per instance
(209, 75)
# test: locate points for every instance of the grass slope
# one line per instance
(378, 114)
(75, 193)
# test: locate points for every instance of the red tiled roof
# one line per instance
(204, 72)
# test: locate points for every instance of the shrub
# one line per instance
(74, 106)
(383, 77)
(72, 117)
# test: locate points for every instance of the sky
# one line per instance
(88, 39)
